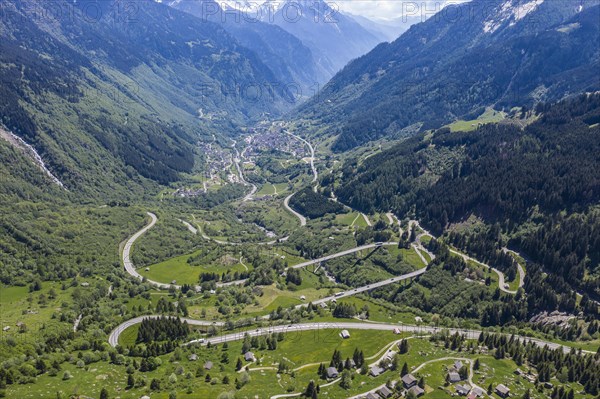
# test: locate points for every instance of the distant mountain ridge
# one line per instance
(334, 37)
(388, 30)
(305, 42)
(108, 94)
(290, 60)
(499, 53)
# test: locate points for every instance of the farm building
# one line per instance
(249, 357)
(503, 391)
(409, 381)
(417, 390)
(332, 372)
(462, 390)
(453, 377)
(385, 392)
(376, 371)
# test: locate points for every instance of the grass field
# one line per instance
(302, 350)
(489, 116)
(347, 219)
(361, 221)
(272, 189)
(34, 310)
(266, 189)
(183, 273)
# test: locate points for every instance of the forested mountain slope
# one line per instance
(290, 60)
(499, 53)
(107, 91)
(536, 189)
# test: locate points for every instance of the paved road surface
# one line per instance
(130, 267)
(191, 228)
(221, 242)
(343, 253)
(369, 287)
(286, 204)
(501, 282)
(236, 161)
(344, 325)
(367, 220)
(519, 267)
(312, 155)
(113, 338)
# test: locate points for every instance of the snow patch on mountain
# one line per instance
(513, 11)
(240, 5)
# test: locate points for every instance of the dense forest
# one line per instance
(313, 204)
(570, 366)
(543, 176)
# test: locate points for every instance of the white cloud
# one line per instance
(392, 9)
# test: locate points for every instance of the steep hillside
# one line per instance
(107, 93)
(285, 54)
(387, 30)
(536, 189)
(497, 53)
(333, 37)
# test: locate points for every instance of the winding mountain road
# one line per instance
(191, 228)
(312, 155)
(501, 282)
(286, 204)
(369, 287)
(236, 161)
(130, 267)
(341, 325)
(221, 242)
(343, 253)
(501, 279)
(113, 338)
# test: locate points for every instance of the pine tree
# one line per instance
(311, 389)
(404, 370)
(321, 369)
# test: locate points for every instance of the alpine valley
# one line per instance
(231, 199)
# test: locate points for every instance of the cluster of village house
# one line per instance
(248, 356)
(409, 381)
